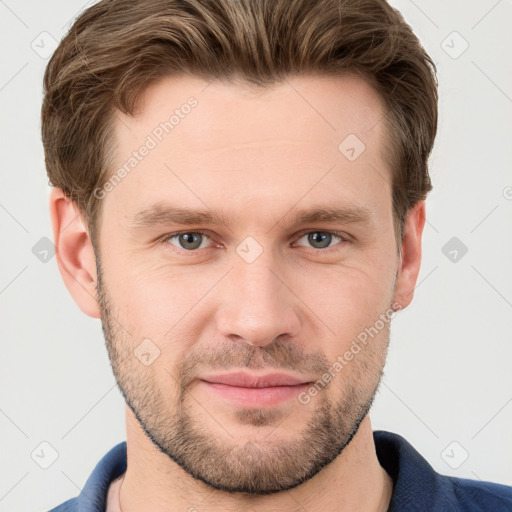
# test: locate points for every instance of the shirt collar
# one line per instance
(413, 478)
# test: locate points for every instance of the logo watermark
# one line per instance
(355, 347)
(152, 140)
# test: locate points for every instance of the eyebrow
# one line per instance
(160, 214)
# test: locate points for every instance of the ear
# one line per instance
(74, 252)
(410, 261)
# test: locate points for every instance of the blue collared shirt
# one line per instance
(417, 487)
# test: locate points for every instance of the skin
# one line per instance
(258, 157)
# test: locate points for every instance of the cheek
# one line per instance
(348, 304)
(159, 303)
(347, 292)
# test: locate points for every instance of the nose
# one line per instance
(257, 304)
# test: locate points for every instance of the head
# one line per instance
(242, 188)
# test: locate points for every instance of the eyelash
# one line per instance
(342, 236)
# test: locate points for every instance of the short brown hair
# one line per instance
(117, 48)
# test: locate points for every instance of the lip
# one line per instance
(254, 391)
(247, 380)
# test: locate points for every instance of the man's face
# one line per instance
(192, 322)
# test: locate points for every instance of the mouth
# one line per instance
(255, 391)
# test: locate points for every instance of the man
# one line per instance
(239, 195)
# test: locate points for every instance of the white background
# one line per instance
(448, 376)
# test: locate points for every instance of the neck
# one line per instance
(354, 481)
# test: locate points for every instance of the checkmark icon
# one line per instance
(454, 45)
(146, 352)
(455, 455)
(454, 249)
(44, 44)
(44, 455)
(249, 249)
(351, 147)
(44, 250)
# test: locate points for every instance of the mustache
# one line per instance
(276, 356)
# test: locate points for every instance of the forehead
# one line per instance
(238, 113)
(226, 144)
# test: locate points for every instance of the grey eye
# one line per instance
(188, 241)
(320, 239)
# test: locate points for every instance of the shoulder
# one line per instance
(94, 494)
(474, 495)
(418, 487)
